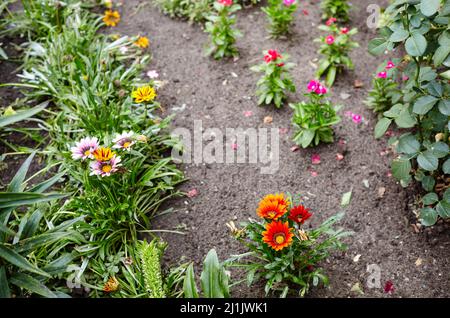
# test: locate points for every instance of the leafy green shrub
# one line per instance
(280, 15)
(281, 252)
(276, 81)
(338, 9)
(420, 28)
(335, 48)
(193, 10)
(219, 26)
(313, 119)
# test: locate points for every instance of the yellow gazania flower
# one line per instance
(111, 285)
(103, 154)
(144, 94)
(111, 18)
(142, 42)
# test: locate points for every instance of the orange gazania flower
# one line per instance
(142, 42)
(111, 18)
(299, 214)
(278, 235)
(111, 285)
(271, 210)
(103, 154)
(279, 197)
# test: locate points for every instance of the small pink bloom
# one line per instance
(312, 86)
(405, 78)
(105, 168)
(389, 174)
(288, 3)
(382, 74)
(226, 3)
(339, 157)
(390, 65)
(234, 146)
(357, 119)
(272, 55)
(315, 159)
(321, 90)
(305, 12)
(330, 21)
(192, 193)
(84, 148)
(152, 74)
(329, 39)
(248, 113)
(314, 173)
(344, 30)
(389, 287)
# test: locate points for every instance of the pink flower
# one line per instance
(390, 65)
(330, 21)
(315, 159)
(152, 74)
(314, 173)
(357, 119)
(312, 86)
(225, 3)
(124, 141)
(405, 78)
(329, 39)
(288, 3)
(344, 30)
(248, 113)
(84, 148)
(234, 146)
(339, 157)
(192, 193)
(105, 168)
(382, 74)
(321, 90)
(389, 287)
(272, 55)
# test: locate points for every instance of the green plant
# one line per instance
(313, 119)
(193, 10)
(33, 251)
(385, 91)
(219, 26)
(420, 28)
(150, 254)
(276, 81)
(338, 9)
(280, 15)
(214, 279)
(335, 48)
(281, 252)
(14, 117)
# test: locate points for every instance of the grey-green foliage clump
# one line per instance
(149, 255)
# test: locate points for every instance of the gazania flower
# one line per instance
(142, 42)
(288, 3)
(225, 3)
(279, 198)
(111, 18)
(382, 74)
(124, 140)
(105, 168)
(330, 21)
(84, 148)
(390, 65)
(272, 55)
(144, 94)
(103, 154)
(278, 235)
(111, 285)
(272, 210)
(344, 30)
(329, 39)
(299, 214)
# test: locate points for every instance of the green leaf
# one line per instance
(307, 137)
(424, 104)
(429, 7)
(4, 286)
(428, 216)
(22, 115)
(9, 199)
(6, 230)
(428, 183)
(441, 54)
(331, 76)
(428, 161)
(440, 149)
(443, 209)
(39, 240)
(31, 284)
(416, 44)
(444, 107)
(430, 198)
(346, 198)
(16, 183)
(405, 119)
(18, 260)
(189, 286)
(399, 35)
(377, 46)
(446, 166)
(401, 169)
(382, 126)
(213, 278)
(408, 144)
(447, 195)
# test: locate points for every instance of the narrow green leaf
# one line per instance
(189, 286)
(21, 115)
(4, 286)
(18, 260)
(31, 284)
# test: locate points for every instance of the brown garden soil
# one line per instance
(417, 264)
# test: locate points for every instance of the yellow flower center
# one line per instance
(87, 153)
(272, 214)
(106, 168)
(126, 144)
(280, 238)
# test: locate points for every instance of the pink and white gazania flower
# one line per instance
(329, 39)
(105, 168)
(382, 75)
(288, 3)
(84, 148)
(390, 65)
(124, 140)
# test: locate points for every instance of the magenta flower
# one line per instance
(390, 65)
(321, 90)
(225, 3)
(329, 39)
(330, 21)
(84, 148)
(105, 168)
(344, 30)
(389, 287)
(357, 119)
(382, 74)
(312, 86)
(288, 3)
(315, 159)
